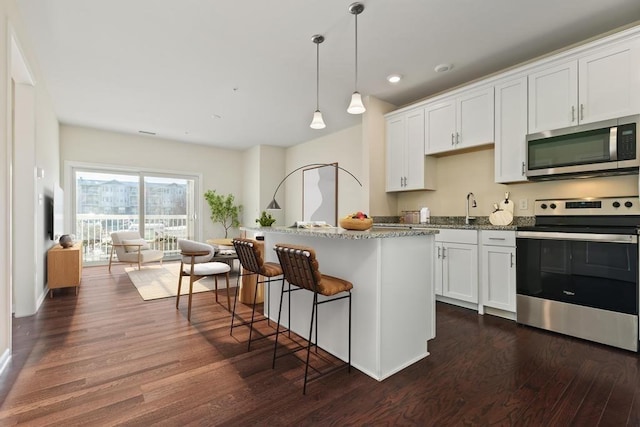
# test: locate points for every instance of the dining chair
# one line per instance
(195, 263)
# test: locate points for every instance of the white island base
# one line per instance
(393, 304)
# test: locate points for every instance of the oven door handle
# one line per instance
(587, 237)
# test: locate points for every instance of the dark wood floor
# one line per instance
(106, 357)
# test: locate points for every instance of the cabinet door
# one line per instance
(460, 272)
(438, 269)
(511, 130)
(609, 83)
(553, 98)
(414, 153)
(395, 153)
(474, 124)
(498, 280)
(440, 124)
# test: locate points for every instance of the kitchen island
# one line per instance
(393, 304)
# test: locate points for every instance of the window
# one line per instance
(160, 207)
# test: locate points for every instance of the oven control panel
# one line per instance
(628, 205)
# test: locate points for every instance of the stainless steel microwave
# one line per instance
(608, 147)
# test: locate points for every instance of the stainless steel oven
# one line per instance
(577, 269)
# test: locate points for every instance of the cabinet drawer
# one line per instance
(457, 236)
(498, 237)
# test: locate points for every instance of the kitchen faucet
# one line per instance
(468, 218)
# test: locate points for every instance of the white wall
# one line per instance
(344, 147)
(379, 202)
(474, 172)
(221, 169)
(263, 170)
(43, 153)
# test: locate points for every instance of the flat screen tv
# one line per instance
(49, 207)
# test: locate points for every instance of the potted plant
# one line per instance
(223, 210)
(265, 219)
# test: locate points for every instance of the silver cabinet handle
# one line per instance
(497, 238)
(444, 253)
(511, 260)
(457, 138)
(581, 111)
(523, 169)
(439, 252)
(452, 141)
(573, 113)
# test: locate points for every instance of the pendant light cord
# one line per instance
(317, 76)
(356, 83)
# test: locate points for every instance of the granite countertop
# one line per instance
(480, 223)
(340, 233)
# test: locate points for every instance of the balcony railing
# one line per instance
(161, 231)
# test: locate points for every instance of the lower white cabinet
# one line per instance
(498, 269)
(477, 270)
(456, 272)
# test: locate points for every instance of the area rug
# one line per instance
(161, 281)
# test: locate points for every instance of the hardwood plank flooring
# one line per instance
(106, 357)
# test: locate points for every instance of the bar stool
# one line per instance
(253, 264)
(300, 268)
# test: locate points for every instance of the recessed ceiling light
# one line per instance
(394, 78)
(443, 68)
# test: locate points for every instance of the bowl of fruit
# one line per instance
(356, 221)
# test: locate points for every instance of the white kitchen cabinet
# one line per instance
(498, 270)
(460, 122)
(598, 86)
(456, 271)
(609, 83)
(407, 166)
(511, 129)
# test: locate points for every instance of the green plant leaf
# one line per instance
(223, 210)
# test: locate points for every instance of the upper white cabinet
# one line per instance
(459, 122)
(511, 129)
(598, 86)
(609, 83)
(407, 167)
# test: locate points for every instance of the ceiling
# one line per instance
(236, 74)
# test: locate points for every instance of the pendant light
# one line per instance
(356, 106)
(317, 122)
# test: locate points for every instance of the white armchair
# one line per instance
(133, 249)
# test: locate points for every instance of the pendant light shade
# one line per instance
(356, 106)
(317, 122)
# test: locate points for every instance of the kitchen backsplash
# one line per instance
(455, 220)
